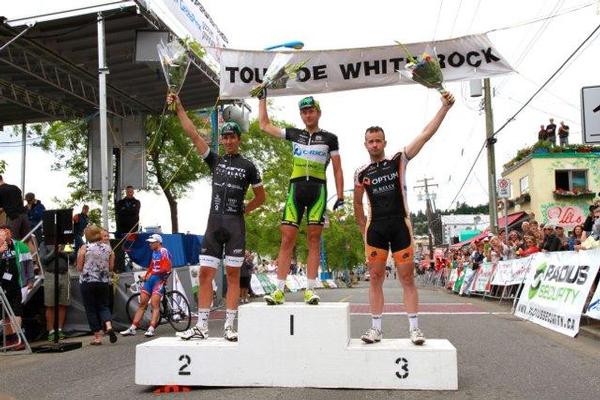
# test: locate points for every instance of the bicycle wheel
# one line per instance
(177, 310)
(131, 307)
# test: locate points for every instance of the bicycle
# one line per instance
(174, 307)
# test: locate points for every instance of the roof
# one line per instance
(464, 219)
(512, 220)
(51, 72)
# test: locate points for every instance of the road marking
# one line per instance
(344, 299)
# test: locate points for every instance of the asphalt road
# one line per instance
(499, 357)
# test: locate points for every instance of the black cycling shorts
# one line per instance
(309, 195)
(225, 238)
(388, 234)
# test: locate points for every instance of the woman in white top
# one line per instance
(95, 261)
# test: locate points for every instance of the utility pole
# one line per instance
(491, 158)
(429, 209)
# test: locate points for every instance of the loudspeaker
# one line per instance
(61, 219)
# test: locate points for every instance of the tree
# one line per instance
(343, 242)
(273, 157)
(173, 162)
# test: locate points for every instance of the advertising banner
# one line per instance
(511, 272)
(556, 288)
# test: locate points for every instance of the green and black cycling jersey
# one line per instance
(308, 188)
(311, 153)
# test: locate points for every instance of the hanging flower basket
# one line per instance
(573, 193)
(524, 198)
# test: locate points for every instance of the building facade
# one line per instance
(556, 187)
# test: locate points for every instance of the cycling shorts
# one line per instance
(309, 195)
(225, 238)
(383, 235)
(155, 284)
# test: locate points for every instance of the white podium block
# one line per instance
(297, 345)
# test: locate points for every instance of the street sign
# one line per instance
(503, 188)
(590, 114)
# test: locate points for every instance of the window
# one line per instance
(524, 184)
(571, 180)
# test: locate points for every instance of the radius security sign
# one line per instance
(464, 58)
(556, 288)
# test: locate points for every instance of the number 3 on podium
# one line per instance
(403, 365)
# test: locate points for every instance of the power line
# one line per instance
(437, 21)
(522, 108)
(536, 20)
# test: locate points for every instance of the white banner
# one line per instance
(464, 58)
(511, 272)
(556, 288)
(189, 18)
(593, 310)
(483, 277)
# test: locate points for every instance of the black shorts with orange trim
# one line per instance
(388, 234)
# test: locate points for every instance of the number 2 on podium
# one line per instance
(187, 361)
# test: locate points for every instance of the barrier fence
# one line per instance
(550, 289)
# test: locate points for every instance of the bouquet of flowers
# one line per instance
(278, 73)
(427, 71)
(175, 62)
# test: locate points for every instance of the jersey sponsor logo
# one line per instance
(385, 178)
(305, 152)
(366, 181)
(384, 188)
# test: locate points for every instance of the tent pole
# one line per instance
(102, 72)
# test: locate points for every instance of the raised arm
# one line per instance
(431, 128)
(187, 125)
(263, 119)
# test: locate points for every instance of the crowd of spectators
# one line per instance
(549, 132)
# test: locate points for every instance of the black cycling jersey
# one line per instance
(231, 176)
(385, 186)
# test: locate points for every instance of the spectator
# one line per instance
(155, 282)
(542, 135)
(563, 134)
(577, 237)
(536, 232)
(476, 259)
(551, 241)
(525, 228)
(500, 251)
(127, 213)
(24, 260)
(11, 283)
(589, 221)
(80, 222)
(530, 246)
(95, 261)
(564, 240)
(551, 132)
(245, 276)
(593, 241)
(11, 202)
(35, 212)
(64, 299)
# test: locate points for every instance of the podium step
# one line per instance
(296, 345)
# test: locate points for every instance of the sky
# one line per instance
(535, 51)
